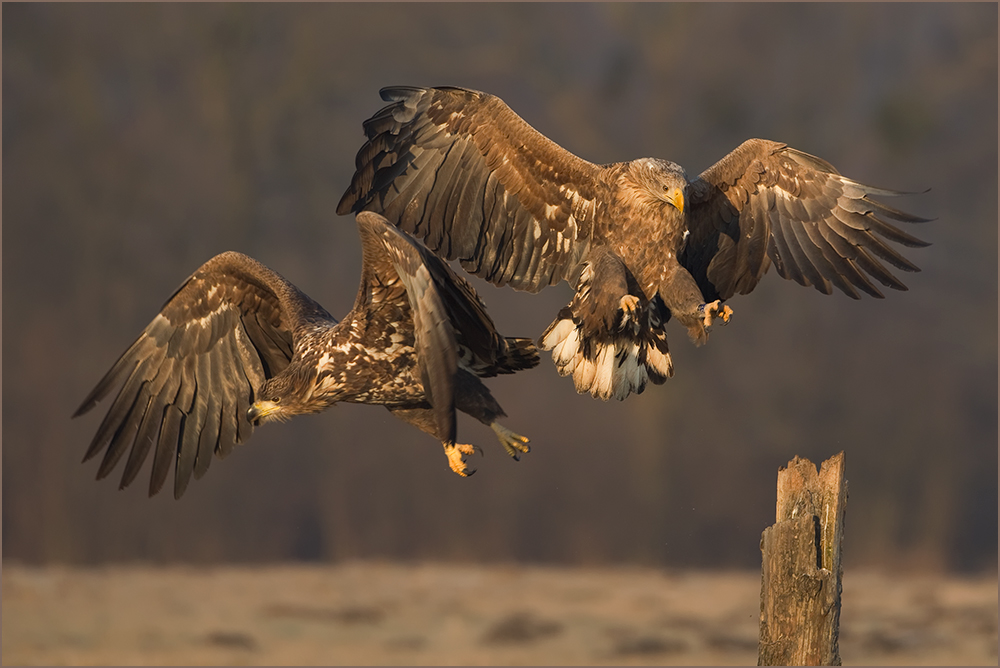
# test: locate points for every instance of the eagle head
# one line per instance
(267, 410)
(277, 401)
(661, 181)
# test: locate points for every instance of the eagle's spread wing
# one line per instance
(459, 169)
(387, 254)
(766, 202)
(193, 372)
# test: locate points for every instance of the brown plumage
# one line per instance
(638, 240)
(238, 345)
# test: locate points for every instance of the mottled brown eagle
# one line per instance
(237, 345)
(638, 240)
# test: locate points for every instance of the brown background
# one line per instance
(140, 140)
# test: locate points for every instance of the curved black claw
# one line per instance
(714, 310)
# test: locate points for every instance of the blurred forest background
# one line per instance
(140, 140)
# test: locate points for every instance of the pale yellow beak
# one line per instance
(261, 410)
(676, 197)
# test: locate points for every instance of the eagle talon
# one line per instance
(454, 453)
(629, 307)
(514, 444)
(714, 310)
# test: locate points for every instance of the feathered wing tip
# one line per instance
(606, 369)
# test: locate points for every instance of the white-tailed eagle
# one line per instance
(639, 241)
(237, 345)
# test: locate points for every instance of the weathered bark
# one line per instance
(801, 571)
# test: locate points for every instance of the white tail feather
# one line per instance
(605, 377)
(614, 371)
(660, 362)
(557, 334)
(631, 376)
(583, 374)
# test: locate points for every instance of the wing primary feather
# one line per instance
(121, 406)
(250, 379)
(164, 429)
(166, 447)
(820, 269)
(861, 236)
(229, 390)
(849, 252)
(194, 423)
(208, 438)
(877, 271)
(126, 434)
(785, 260)
(836, 268)
(148, 429)
(111, 378)
(182, 403)
(893, 233)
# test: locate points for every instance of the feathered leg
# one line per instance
(681, 295)
(475, 399)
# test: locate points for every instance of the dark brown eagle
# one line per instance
(237, 345)
(638, 240)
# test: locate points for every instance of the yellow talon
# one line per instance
(716, 310)
(629, 304)
(454, 453)
(513, 443)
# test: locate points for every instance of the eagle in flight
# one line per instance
(237, 345)
(638, 240)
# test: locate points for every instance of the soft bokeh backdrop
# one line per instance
(140, 140)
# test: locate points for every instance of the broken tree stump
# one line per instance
(801, 572)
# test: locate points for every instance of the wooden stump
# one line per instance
(801, 572)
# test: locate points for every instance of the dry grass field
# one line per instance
(390, 613)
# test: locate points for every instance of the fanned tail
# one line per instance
(609, 364)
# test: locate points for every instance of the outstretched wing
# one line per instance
(766, 202)
(460, 170)
(388, 257)
(194, 371)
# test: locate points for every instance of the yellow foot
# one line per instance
(629, 306)
(454, 453)
(715, 310)
(514, 444)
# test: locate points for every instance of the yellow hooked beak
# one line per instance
(676, 197)
(260, 410)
